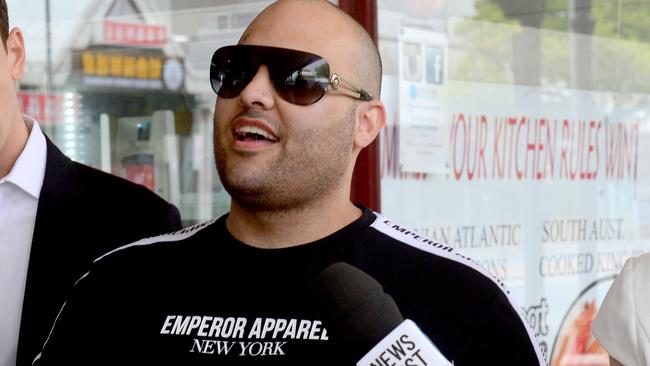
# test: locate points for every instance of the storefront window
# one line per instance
(517, 134)
(122, 85)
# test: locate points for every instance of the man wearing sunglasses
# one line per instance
(297, 101)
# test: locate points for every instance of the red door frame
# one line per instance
(365, 182)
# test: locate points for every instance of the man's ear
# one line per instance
(371, 118)
(16, 53)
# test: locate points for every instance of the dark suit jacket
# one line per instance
(82, 213)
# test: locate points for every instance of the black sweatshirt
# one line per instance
(199, 297)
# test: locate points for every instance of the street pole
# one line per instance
(48, 45)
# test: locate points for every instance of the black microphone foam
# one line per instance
(356, 310)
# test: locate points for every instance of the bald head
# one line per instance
(319, 27)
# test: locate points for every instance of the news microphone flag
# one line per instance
(368, 322)
(405, 345)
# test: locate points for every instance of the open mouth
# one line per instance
(249, 133)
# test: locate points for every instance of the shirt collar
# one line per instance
(29, 169)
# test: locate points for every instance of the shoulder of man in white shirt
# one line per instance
(620, 323)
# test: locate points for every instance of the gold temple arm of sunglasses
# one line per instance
(338, 82)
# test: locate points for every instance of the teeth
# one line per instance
(242, 131)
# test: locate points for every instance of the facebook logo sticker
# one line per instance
(435, 65)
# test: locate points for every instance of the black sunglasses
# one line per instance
(299, 77)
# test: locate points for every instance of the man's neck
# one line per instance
(289, 228)
(14, 145)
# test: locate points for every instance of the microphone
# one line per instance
(367, 322)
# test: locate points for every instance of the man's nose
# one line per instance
(259, 92)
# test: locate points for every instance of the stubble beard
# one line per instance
(295, 180)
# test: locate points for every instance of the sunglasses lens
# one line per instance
(299, 77)
(231, 71)
(304, 83)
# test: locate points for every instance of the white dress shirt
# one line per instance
(19, 193)
(622, 326)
